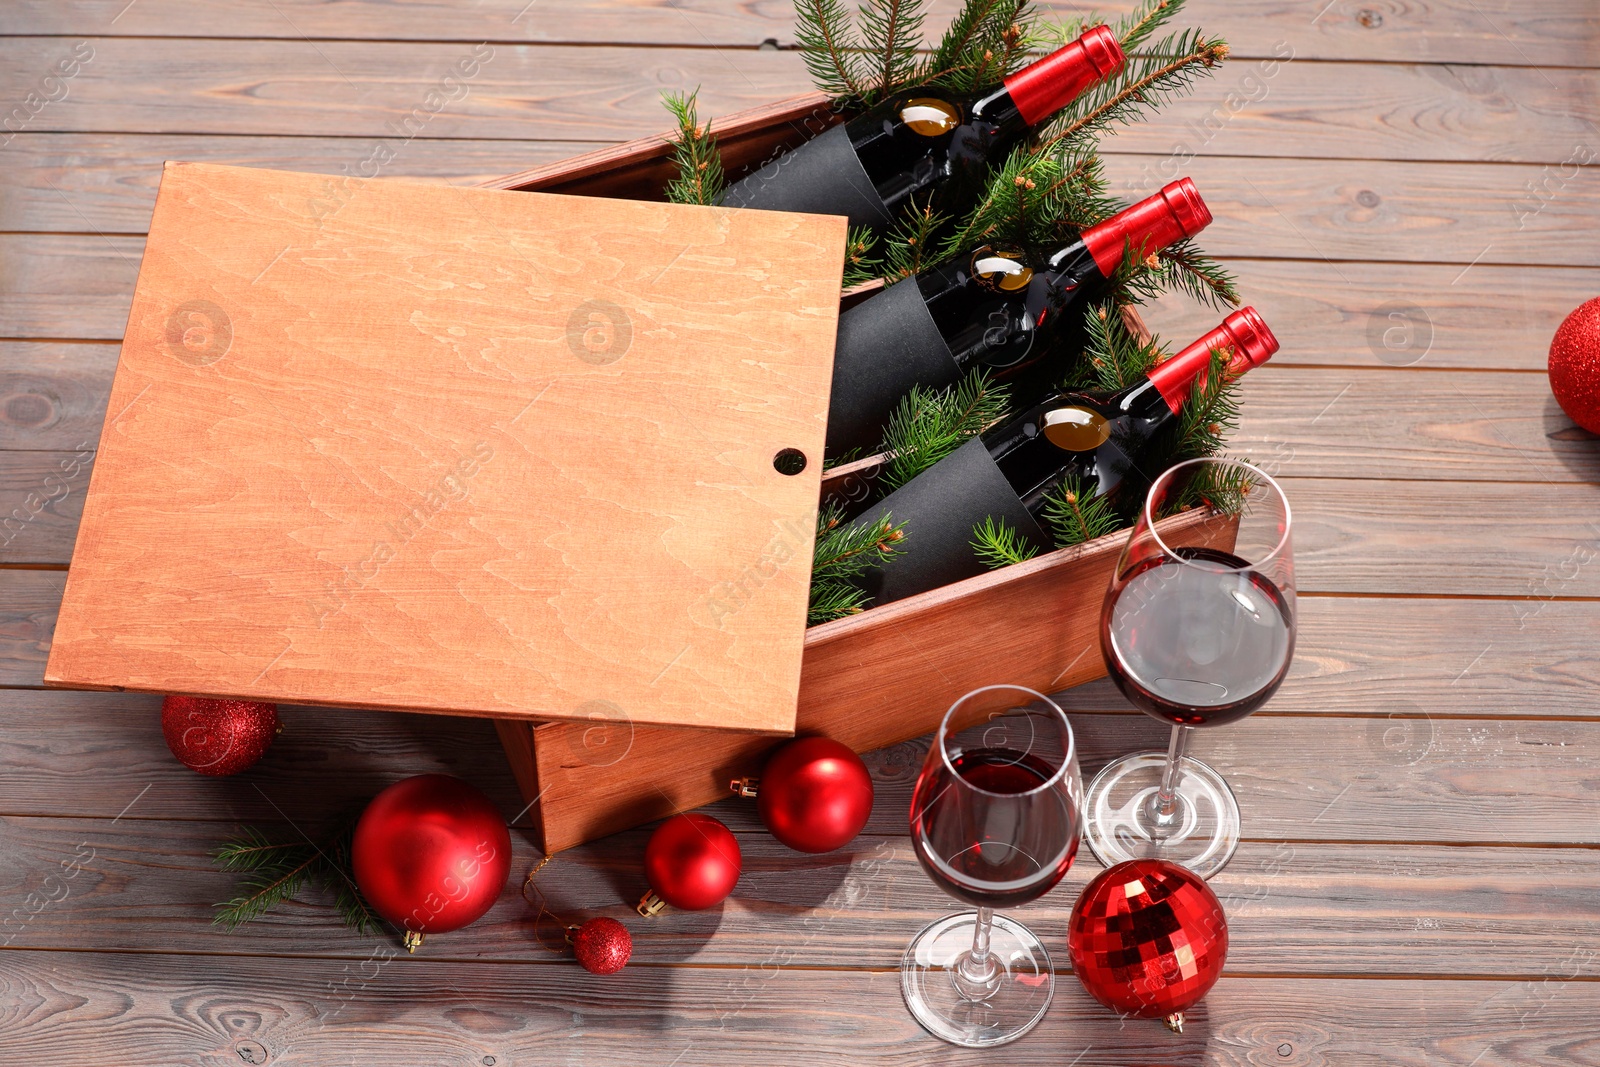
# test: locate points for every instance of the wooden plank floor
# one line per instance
(1417, 886)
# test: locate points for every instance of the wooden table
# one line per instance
(1400, 185)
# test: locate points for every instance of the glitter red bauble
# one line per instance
(431, 853)
(1148, 938)
(692, 862)
(815, 795)
(1575, 366)
(218, 736)
(602, 945)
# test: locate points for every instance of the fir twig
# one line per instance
(1113, 358)
(891, 30)
(829, 48)
(860, 263)
(998, 545)
(1140, 23)
(910, 248)
(272, 874)
(1148, 80)
(843, 551)
(929, 424)
(694, 153)
(1075, 518)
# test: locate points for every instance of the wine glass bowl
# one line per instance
(1198, 630)
(995, 818)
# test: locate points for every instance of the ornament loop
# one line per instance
(745, 787)
(412, 941)
(650, 905)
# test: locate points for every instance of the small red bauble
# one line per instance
(1148, 938)
(1575, 365)
(815, 795)
(218, 736)
(431, 854)
(691, 862)
(602, 945)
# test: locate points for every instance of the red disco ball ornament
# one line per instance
(218, 737)
(815, 795)
(431, 854)
(1148, 938)
(1574, 365)
(692, 862)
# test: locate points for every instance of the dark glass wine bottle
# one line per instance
(1098, 439)
(1001, 309)
(926, 142)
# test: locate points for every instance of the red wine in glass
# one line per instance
(1200, 639)
(994, 862)
(994, 821)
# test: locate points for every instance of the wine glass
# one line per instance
(1197, 629)
(994, 822)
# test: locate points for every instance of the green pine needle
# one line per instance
(929, 424)
(1113, 358)
(276, 873)
(694, 153)
(831, 49)
(911, 247)
(998, 545)
(267, 882)
(891, 31)
(1134, 28)
(985, 41)
(843, 551)
(1150, 78)
(1074, 518)
(860, 264)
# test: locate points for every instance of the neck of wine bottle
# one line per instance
(1015, 312)
(926, 143)
(1098, 440)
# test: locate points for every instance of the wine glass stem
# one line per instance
(1165, 805)
(977, 973)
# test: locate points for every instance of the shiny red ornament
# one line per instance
(602, 945)
(692, 862)
(815, 795)
(431, 854)
(218, 736)
(1148, 938)
(1575, 365)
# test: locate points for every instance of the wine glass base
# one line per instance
(1117, 826)
(1015, 1003)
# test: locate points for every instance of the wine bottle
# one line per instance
(927, 142)
(1098, 439)
(996, 308)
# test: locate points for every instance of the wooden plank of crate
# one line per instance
(1315, 908)
(1424, 775)
(1557, 33)
(152, 1010)
(606, 94)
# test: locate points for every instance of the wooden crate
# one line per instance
(883, 676)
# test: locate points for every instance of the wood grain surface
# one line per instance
(1461, 31)
(1415, 887)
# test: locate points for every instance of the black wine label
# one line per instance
(824, 176)
(940, 507)
(886, 344)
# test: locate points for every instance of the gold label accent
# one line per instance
(1076, 429)
(929, 116)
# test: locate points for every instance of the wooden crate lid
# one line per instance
(387, 444)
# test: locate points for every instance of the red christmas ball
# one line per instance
(815, 795)
(1148, 938)
(692, 862)
(218, 736)
(1575, 365)
(602, 945)
(431, 854)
